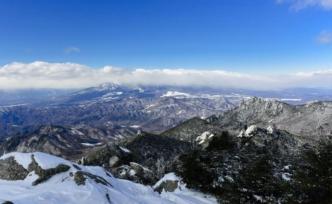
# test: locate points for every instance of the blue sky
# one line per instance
(263, 36)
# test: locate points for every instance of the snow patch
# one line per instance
(182, 195)
(124, 149)
(91, 144)
(204, 137)
(76, 132)
(249, 132)
(286, 176)
(175, 94)
(259, 198)
(44, 160)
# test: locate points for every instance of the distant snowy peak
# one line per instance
(103, 88)
(108, 86)
(37, 178)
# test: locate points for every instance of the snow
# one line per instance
(132, 172)
(287, 167)
(286, 176)
(167, 177)
(140, 90)
(61, 188)
(110, 94)
(180, 112)
(249, 132)
(150, 106)
(76, 132)
(291, 99)
(251, 129)
(14, 105)
(124, 149)
(182, 195)
(44, 160)
(229, 178)
(21, 158)
(241, 134)
(259, 198)
(270, 129)
(204, 137)
(135, 126)
(182, 95)
(91, 144)
(175, 94)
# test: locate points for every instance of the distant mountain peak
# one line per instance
(108, 86)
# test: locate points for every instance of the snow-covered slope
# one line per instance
(78, 184)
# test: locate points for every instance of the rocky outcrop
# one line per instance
(109, 156)
(45, 174)
(80, 178)
(11, 170)
(156, 152)
(135, 172)
(143, 159)
(189, 130)
(204, 139)
(167, 186)
(120, 161)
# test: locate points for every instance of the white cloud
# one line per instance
(324, 37)
(71, 75)
(72, 49)
(301, 4)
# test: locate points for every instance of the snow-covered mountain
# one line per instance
(263, 151)
(39, 178)
(110, 105)
(312, 120)
(151, 108)
(68, 142)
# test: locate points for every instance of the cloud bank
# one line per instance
(74, 76)
(302, 4)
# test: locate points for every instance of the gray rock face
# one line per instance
(81, 176)
(11, 170)
(135, 172)
(45, 174)
(189, 130)
(167, 186)
(110, 156)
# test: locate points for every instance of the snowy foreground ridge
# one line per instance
(84, 185)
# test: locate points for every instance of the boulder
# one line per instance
(11, 170)
(167, 186)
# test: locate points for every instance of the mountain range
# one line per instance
(246, 149)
